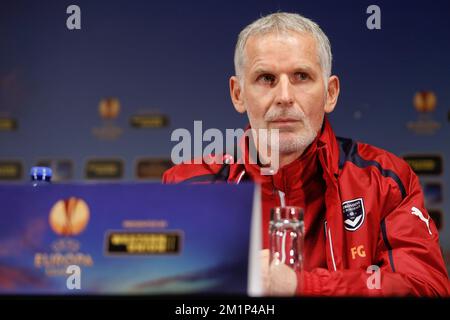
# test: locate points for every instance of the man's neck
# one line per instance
(288, 158)
(283, 158)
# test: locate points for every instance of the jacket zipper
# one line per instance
(330, 241)
(282, 197)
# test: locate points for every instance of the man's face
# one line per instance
(282, 87)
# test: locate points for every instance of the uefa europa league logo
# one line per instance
(69, 217)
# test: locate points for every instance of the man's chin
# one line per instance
(288, 137)
(294, 126)
(290, 142)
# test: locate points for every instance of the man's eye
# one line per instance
(302, 76)
(267, 78)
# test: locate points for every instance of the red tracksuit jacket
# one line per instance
(374, 215)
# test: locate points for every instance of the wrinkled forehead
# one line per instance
(281, 49)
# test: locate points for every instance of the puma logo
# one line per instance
(419, 213)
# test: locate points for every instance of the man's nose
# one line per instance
(285, 95)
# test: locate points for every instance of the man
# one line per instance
(363, 206)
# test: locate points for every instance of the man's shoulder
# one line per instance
(364, 154)
(385, 163)
(382, 156)
(196, 170)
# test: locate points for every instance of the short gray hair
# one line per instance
(282, 22)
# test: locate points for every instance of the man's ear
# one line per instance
(236, 94)
(332, 93)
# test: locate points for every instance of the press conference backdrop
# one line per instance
(101, 102)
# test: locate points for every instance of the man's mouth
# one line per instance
(284, 122)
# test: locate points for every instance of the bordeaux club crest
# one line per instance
(354, 214)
